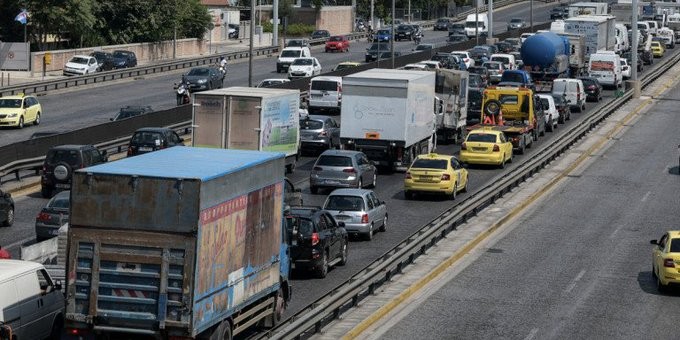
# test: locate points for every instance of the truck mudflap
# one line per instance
(116, 285)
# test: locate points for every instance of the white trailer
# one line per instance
(451, 89)
(587, 8)
(599, 31)
(388, 115)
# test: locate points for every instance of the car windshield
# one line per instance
(477, 69)
(481, 138)
(403, 27)
(504, 60)
(471, 24)
(327, 160)
(344, 203)
(476, 81)
(295, 43)
(302, 62)
(290, 53)
(10, 103)
(147, 137)
(311, 124)
(305, 227)
(266, 83)
(457, 26)
(383, 32)
(513, 77)
(545, 103)
(78, 60)
(69, 156)
(336, 38)
(515, 21)
(587, 82)
(199, 72)
(61, 201)
(559, 100)
(441, 21)
(424, 163)
(495, 66)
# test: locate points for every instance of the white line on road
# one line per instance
(646, 196)
(532, 334)
(574, 281)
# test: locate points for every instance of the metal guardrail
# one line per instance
(348, 294)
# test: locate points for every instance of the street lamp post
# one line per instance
(251, 47)
(392, 34)
(634, 50)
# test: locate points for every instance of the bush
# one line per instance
(294, 30)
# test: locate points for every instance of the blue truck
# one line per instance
(546, 58)
(180, 243)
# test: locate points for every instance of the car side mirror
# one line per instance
(653, 242)
(57, 285)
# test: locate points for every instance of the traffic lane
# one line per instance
(22, 232)
(579, 264)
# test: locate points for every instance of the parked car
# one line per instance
(272, 82)
(19, 110)
(150, 139)
(434, 173)
(665, 255)
(304, 67)
(346, 64)
(317, 241)
(131, 111)
(124, 59)
(442, 24)
(204, 78)
(6, 209)
(562, 107)
(60, 162)
(80, 65)
(319, 132)
(320, 34)
(297, 43)
(342, 169)
(337, 43)
(516, 23)
(456, 38)
(593, 89)
(404, 32)
(104, 60)
(360, 209)
(486, 147)
(52, 216)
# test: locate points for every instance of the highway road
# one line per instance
(579, 265)
(90, 105)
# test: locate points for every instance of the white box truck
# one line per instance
(599, 31)
(246, 118)
(451, 89)
(476, 24)
(587, 8)
(389, 115)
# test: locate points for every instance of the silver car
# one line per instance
(360, 209)
(342, 169)
(319, 132)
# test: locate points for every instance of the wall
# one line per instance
(335, 19)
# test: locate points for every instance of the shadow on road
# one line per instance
(648, 285)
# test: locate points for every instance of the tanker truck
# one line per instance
(546, 57)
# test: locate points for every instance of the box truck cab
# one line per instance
(476, 24)
(605, 66)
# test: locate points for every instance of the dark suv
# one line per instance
(404, 32)
(317, 241)
(60, 163)
(151, 139)
(124, 59)
(104, 59)
(6, 209)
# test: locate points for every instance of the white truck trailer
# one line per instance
(587, 8)
(451, 89)
(599, 31)
(389, 115)
(246, 118)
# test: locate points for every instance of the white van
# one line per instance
(325, 93)
(572, 90)
(289, 54)
(508, 60)
(476, 23)
(605, 66)
(622, 32)
(557, 26)
(30, 302)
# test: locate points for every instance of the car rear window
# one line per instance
(675, 245)
(503, 60)
(71, 157)
(482, 137)
(324, 85)
(328, 160)
(305, 227)
(311, 124)
(344, 203)
(422, 163)
(59, 201)
(147, 137)
(513, 77)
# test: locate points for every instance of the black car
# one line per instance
(593, 89)
(446, 59)
(376, 50)
(504, 47)
(321, 34)
(562, 107)
(404, 32)
(559, 13)
(60, 163)
(52, 216)
(456, 38)
(476, 81)
(123, 59)
(317, 241)
(150, 139)
(104, 59)
(647, 57)
(6, 209)
(204, 78)
(457, 29)
(131, 111)
(474, 106)
(482, 71)
(442, 24)
(629, 56)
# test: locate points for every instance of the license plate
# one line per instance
(62, 185)
(145, 148)
(479, 149)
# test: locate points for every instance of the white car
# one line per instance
(80, 65)
(552, 115)
(417, 67)
(304, 67)
(625, 69)
(431, 65)
(272, 82)
(467, 59)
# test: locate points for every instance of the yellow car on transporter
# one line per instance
(486, 146)
(434, 173)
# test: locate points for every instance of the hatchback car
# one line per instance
(516, 23)
(6, 209)
(272, 82)
(404, 32)
(487, 147)
(342, 169)
(204, 78)
(442, 24)
(131, 111)
(124, 59)
(593, 89)
(52, 216)
(337, 43)
(434, 173)
(80, 65)
(304, 67)
(19, 110)
(61, 161)
(104, 60)
(317, 241)
(666, 260)
(321, 34)
(360, 209)
(319, 133)
(383, 35)
(151, 139)
(658, 49)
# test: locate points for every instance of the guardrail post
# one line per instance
(16, 174)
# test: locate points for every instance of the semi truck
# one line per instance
(546, 57)
(246, 118)
(389, 115)
(577, 52)
(599, 31)
(180, 243)
(587, 8)
(451, 88)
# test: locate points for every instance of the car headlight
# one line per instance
(12, 115)
(202, 81)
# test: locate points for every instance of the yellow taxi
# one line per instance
(486, 146)
(666, 259)
(434, 173)
(19, 110)
(346, 64)
(657, 49)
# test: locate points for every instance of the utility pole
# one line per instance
(250, 47)
(354, 16)
(372, 7)
(531, 14)
(392, 34)
(634, 51)
(490, 16)
(477, 22)
(275, 25)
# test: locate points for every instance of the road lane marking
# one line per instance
(575, 281)
(646, 196)
(532, 334)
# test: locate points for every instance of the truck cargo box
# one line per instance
(599, 31)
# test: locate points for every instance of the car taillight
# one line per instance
(317, 168)
(463, 146)
(669, 263)
(364, 218)
(408, 175)
(315, 239)
(496, 148)
(592, 87)
(515, 139)
(446, 177)
(350, 170)
(43, 217)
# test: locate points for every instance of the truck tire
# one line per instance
(222, 332)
